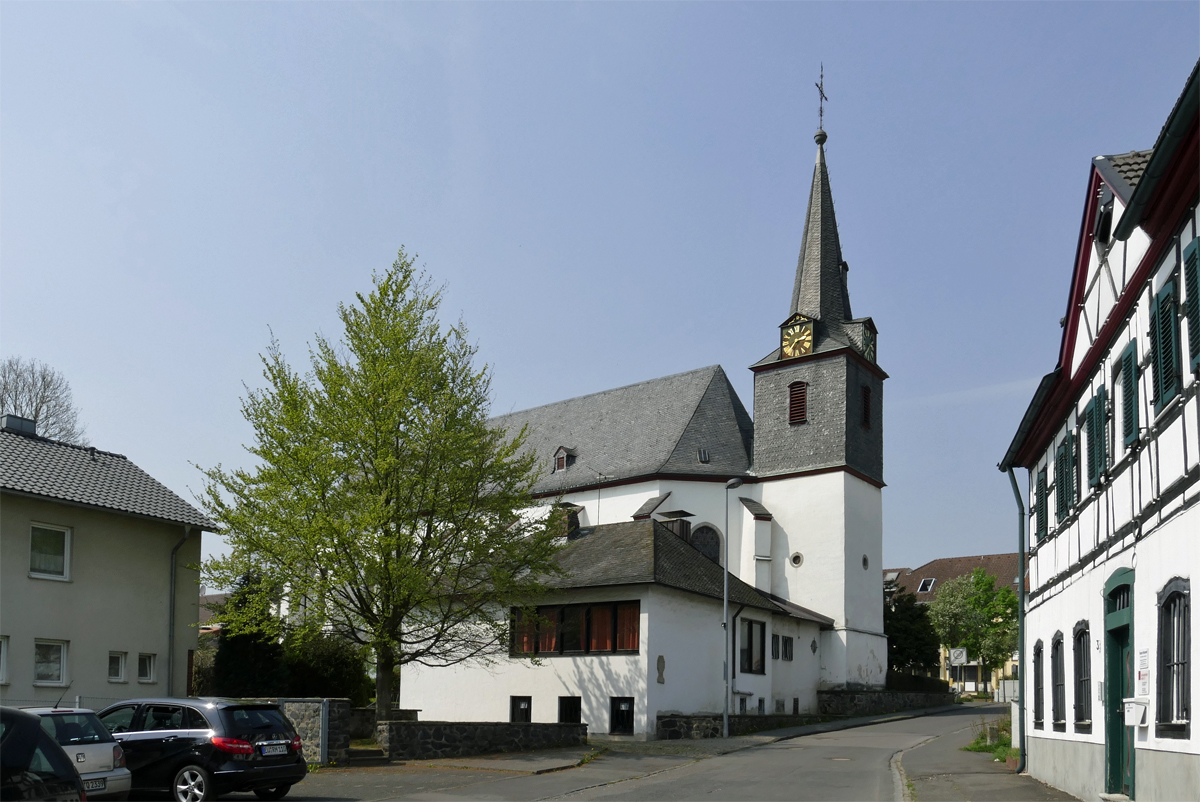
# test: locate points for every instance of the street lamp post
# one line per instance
(730, 485)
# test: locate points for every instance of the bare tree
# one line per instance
(34, 390)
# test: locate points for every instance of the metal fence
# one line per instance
(89, 702)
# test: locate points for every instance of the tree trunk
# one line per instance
(385, 664)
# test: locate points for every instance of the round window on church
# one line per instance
(705, 540)
(797, 559)
(866, 563)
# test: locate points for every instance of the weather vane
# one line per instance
(821, 92)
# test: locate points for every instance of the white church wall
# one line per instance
(864, 538)
(796, 678)
(612, 504)
(685, 629)
(477, 692)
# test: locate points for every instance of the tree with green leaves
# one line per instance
(912, 641)
(970, 611)
(381, 505)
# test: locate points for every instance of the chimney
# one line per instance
(19, 425)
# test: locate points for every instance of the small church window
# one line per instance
(560, 462)
(866, 407)
(798, 402)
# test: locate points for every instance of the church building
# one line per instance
(661, 480)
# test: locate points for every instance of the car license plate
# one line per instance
(94, 785)
(275, 749)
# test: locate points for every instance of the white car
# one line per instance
(97, 757)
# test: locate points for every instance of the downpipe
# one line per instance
(187, 531)
(1021, 543)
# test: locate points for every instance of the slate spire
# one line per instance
(820, 289)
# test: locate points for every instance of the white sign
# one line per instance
(1143, 674)
(958, 657)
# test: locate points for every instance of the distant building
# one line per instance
(804, 531)
(1113, 459)
(91, 547)
(926, 581)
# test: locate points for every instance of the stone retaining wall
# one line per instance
(417, 740)
(362, 720)
(673, 727)
(870, 703)
(305, 715)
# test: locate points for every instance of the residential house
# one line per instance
(1110, 445)
(97, 596)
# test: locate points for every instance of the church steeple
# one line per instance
(820, 288)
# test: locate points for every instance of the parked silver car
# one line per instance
(98, 758)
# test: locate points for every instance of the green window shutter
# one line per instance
(1168, 346)
(1155, 351)
(1041, 504)
(1100, 417)
(1129, 397)
(1061, 463)
(1191, 285)
(1076, 464)
(1089, 426)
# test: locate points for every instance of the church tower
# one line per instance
(818, 452)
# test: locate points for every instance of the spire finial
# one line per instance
(820, 135)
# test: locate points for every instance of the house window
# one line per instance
(1174, 676)
(926, 585)
(576, 629)
(49, 552)
(1191, 304)
(795, 705)
(1058, 678)
(866, 407)
(798, 402)
(753, 651)
(1039, 507)
(49, 662)
(762, 705)
(1064, 497)
(520, 709)
(1039, 706)
(116, 666)
(1127, 380)
(774, 647)
(570, 710)
(1164, 346)
(1102, 228)
(1095, 417)
(1083, 678)
(145, 668)
(789, 647)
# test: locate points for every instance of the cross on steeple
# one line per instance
(821, 91)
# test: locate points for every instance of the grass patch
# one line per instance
(1002, 747)
(364, 743)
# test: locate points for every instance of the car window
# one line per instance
(119, 719)
(163, 717)
(48, 761)
(249, 719)
(75, 728)
(196, 719)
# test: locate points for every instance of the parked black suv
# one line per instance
(198, 749)
(32, 765)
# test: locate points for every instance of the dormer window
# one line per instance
(926, 585)
(563, 458)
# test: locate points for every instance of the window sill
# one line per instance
(1083, 727)
(147, 682)
(1037, 725)
(50, 577)
(112, 681)
(37, 684)
(1060, 726)
(1173, 731)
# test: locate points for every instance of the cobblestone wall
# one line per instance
(870, 703)
(676, 727)
(416, 740)
(305, 715)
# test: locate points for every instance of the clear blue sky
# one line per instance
(611, 192)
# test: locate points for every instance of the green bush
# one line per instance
(912, 683)
(328, 666)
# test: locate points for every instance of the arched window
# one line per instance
(1039, 706)
(706, 541)
(1058, 696)
(798, 402)
(1174, 673)
(1081, 639)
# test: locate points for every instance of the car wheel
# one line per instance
(193, 784)
(278, 792)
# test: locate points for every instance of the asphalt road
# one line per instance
(853, 764)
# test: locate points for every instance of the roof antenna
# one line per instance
(821, 137)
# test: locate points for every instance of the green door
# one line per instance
(1118, 681)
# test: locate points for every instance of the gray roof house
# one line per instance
(96, 590)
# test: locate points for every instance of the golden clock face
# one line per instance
(797, 340)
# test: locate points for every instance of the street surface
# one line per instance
(852, 764)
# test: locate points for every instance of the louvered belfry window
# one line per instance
(866, 407)
(798, 402)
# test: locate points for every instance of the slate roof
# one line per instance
(1123, 171)
(653, 427)
(646, 552)
(37, 466)
(1002, 566)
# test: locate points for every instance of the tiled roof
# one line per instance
(1123, 171)
(1002, 566)
(646, 552)
(654, 427)
(80, 475)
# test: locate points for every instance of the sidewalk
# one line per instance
(940, 771)
(541, 762)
